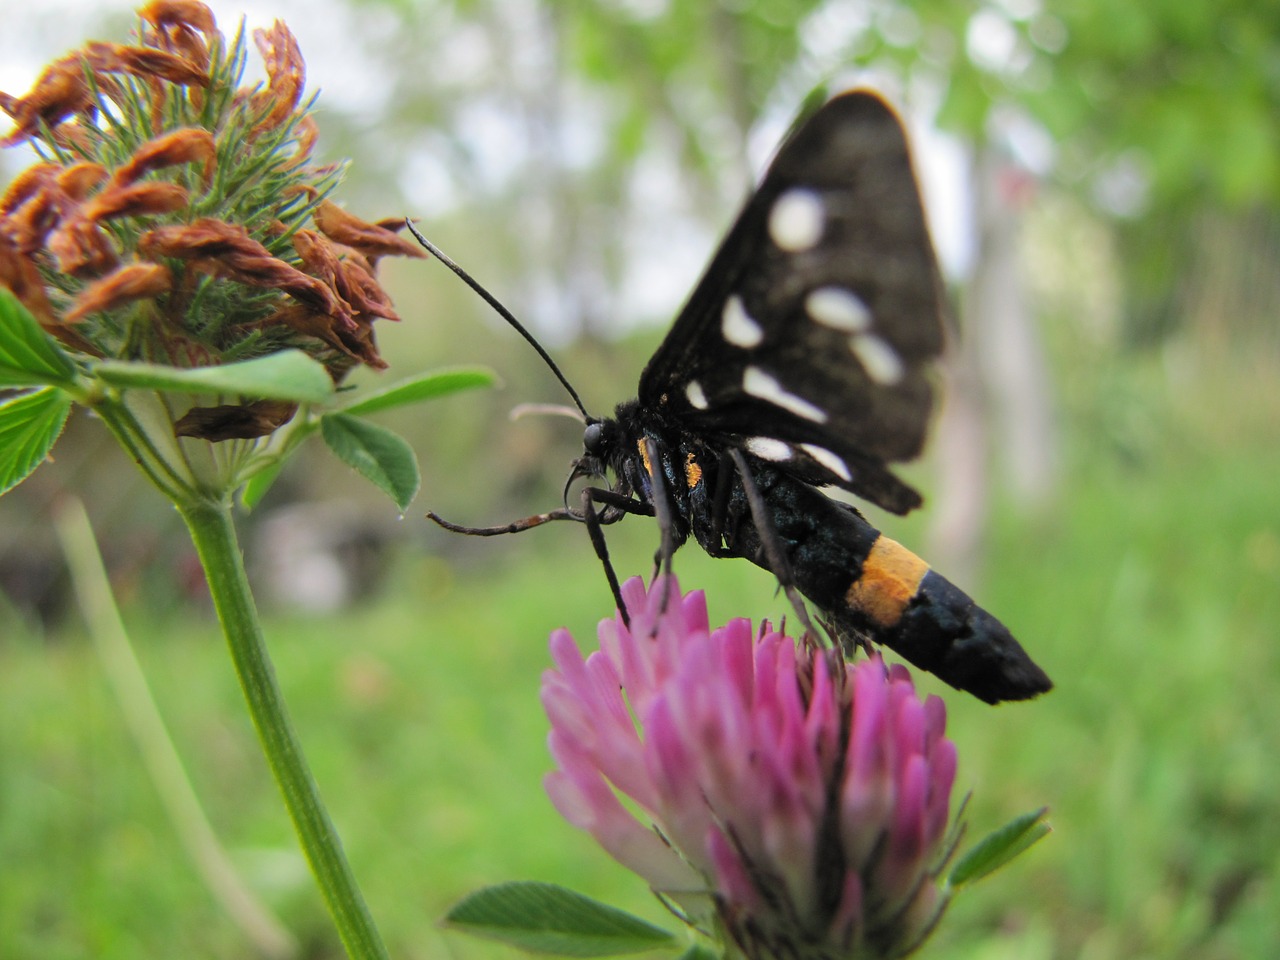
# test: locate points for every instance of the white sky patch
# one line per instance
(760, 384)
(990, 40)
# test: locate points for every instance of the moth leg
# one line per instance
(660, 497)
(595, 530)
(616, 501)
(516, 526)
(661, 500)
(720, 518)
(771, 542)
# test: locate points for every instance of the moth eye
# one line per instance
(796, 220)
(593, 438)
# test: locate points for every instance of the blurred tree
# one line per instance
(584, 157)
(1164, 117)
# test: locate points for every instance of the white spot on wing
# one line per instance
(796, 220)
(878, 358)
(767, 448)
(738, 326)
(839, 309)
(697, 398)
(759, 384)
(831, 461)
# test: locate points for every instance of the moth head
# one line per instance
(600, 440)
(599, 437)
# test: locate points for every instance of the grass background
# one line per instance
(1151, 594)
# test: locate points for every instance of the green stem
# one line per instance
(133, 694)
(214, 536)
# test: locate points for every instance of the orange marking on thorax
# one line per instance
(644, 456)
(692, 472)
(890, 577)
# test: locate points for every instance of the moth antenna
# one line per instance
(522, 410)
(502, 311)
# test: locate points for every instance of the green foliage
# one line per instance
(1199, 97)
(380, 456)
(699, 951)
(256, 486)
(1149, 595)
(426, 386)
(30, 424)
(546, 918)
(999, 847)
(28, 355)
(287, 375)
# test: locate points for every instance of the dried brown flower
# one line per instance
(134, 281)
(236, 421)
(59, 92)
(181, 26)
(144, 62)
(371, 239)
(348, 275)
(286, 76)
(350, 339)
(82, 248)
(227, 250)
(19, 274)
(80, 179)
(207, 229)
(135, 200)
(188, 145)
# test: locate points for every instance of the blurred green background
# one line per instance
(1104, 183)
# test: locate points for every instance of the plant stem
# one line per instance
(214, 536)
(133, 694)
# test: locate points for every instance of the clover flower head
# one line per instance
(175, 215)
(788, 803)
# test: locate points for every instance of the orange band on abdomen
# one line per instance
(890, 577)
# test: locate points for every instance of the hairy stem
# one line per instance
(214, 536)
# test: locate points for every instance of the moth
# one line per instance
(802, 361)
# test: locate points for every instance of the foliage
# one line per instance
(1150, 594)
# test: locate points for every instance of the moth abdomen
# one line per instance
(872, 588)
(914, 610)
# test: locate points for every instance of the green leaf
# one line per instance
(546, 918)
(255, 487)
(425, 387)
(376, 453)
(287, 375)
(28, 355)
(29, 426)
(699, 951)
(999, 847)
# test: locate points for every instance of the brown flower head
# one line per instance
(191, 225)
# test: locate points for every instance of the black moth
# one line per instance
(801, 361)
